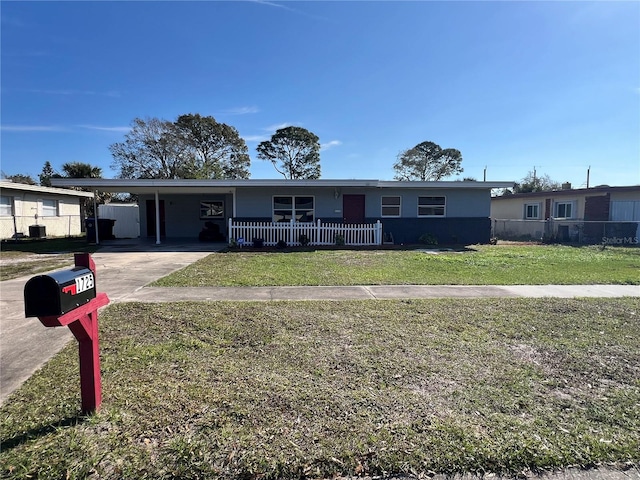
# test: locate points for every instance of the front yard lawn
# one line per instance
(317, 389)
(479, 265)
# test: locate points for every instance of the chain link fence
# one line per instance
(568, 231)
(16, 226)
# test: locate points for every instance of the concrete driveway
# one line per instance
(122, 269)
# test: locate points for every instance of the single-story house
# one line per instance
(452, 211)
(32, 210)
(586, 215)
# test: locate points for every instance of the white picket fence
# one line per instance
(318, 233)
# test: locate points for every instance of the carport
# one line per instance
(158, 190)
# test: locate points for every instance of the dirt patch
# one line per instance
(9, 258)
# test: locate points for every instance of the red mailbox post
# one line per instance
(69, 298)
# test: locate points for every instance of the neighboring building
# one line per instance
(585, 215)
(31, 210)
(454, 212)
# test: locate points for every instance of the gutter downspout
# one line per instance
(157, 219)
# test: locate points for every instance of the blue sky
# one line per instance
(512, 85)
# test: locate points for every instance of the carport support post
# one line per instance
(157, 219)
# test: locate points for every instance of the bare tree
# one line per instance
(191, 147)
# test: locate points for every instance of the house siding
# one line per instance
(256, 203)
(462, 230)
(466, 217)
(26, 204)
(459, 203)
(182, 213)
(513, 208)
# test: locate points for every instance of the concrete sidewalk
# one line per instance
(380, 292)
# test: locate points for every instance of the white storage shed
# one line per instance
(127, 217)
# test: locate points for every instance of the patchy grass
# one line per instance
(18, 264)
(316, 389)
(483, 264)
(48, 245)
(30, 257)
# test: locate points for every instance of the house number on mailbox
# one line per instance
(82, 284)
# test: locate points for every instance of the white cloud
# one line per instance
(272, 4)
(273, 128)
(110, 93)
(58, 128)
(32, 128)
(331, 144)
(241, 110)
(256, 138)
(284, 7)
(106, 129)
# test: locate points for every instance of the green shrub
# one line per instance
(428, 239)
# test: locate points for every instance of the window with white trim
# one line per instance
(299, 207)
(431, 206)
(6, 206)
(49, 208)
(532, 211)
(212, 209)
(390, 206)
(564, 209)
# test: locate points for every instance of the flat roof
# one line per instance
(602, 189)
(40, 189)
(194, 186)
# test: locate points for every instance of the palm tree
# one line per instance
(81, 170)
(86, 170)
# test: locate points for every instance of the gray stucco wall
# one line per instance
(257, 203)
(459, 203)
(464, 231)
(466, 220)
(182, 214)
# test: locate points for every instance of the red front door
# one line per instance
(353, 208)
